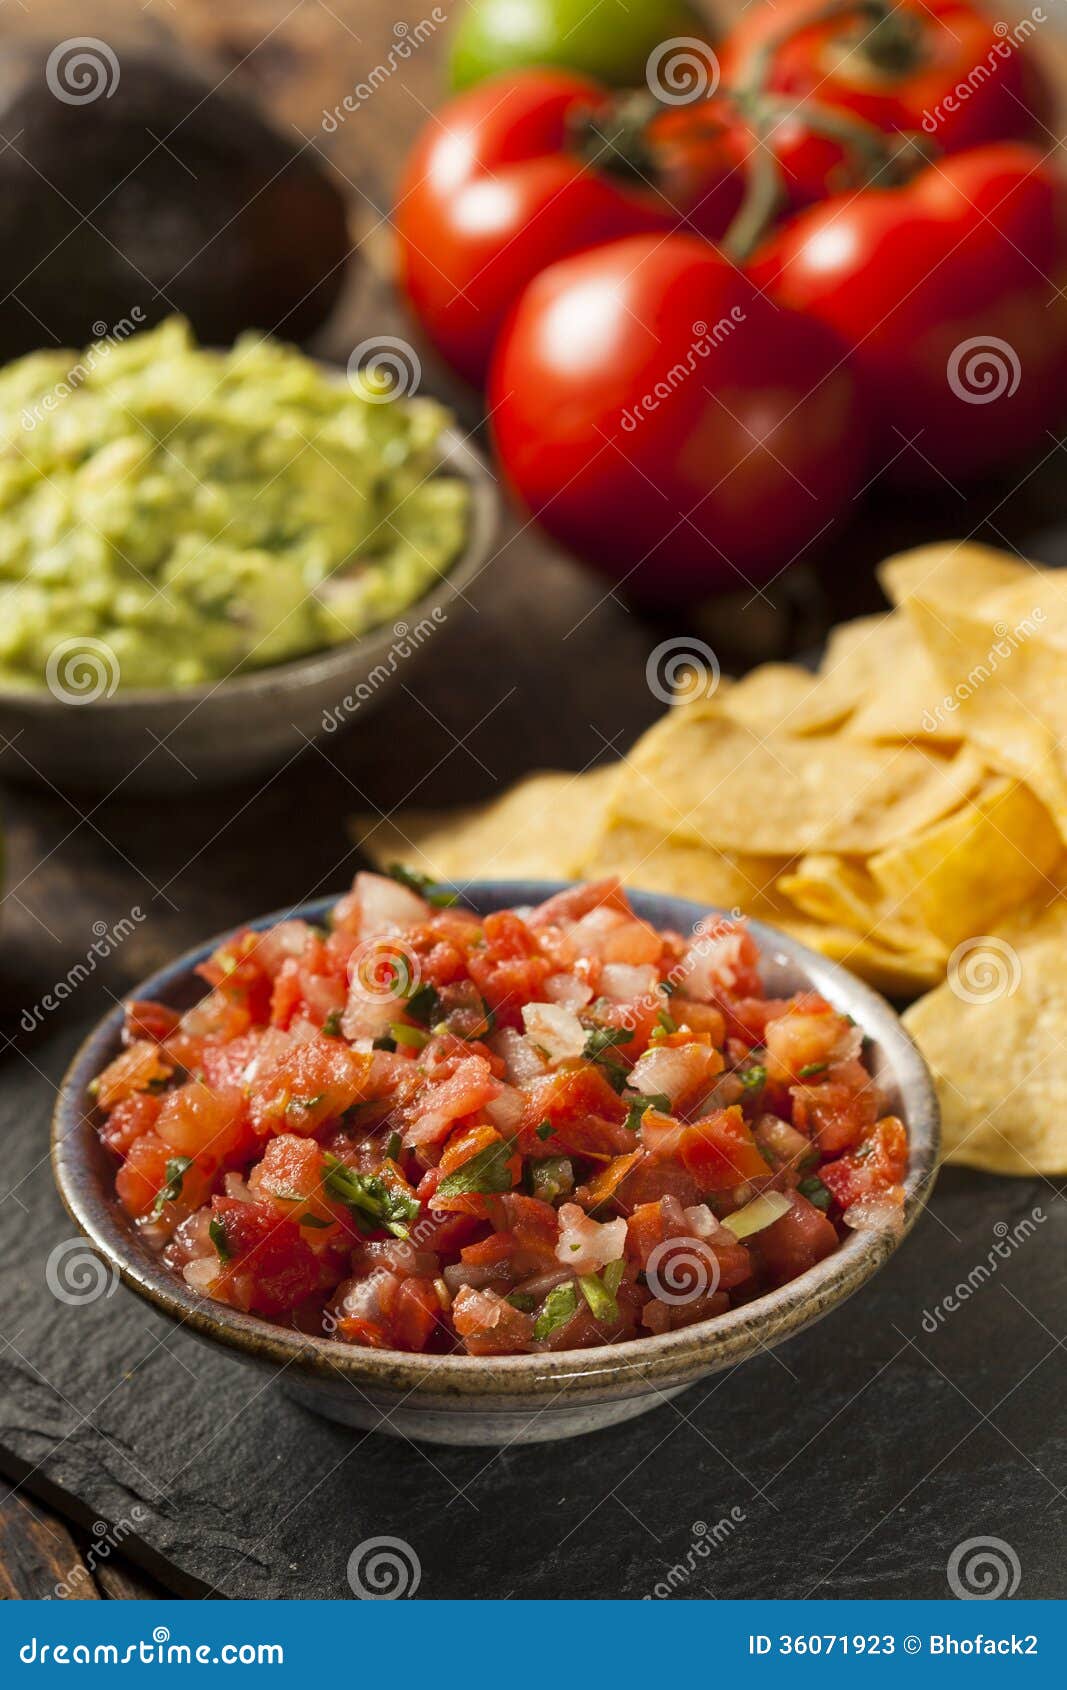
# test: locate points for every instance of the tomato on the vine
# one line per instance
(661, 418)
(496, 188)
(941, 68)
(949, 291)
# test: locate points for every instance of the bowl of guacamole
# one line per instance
(194, 541)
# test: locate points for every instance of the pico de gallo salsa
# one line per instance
(422, 1129)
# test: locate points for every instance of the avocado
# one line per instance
(129, 179)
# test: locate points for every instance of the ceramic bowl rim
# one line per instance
(459, 455)
(687, 1352)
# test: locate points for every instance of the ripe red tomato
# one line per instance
(667, 423)
(495, 190)
(948, 291)
(941, 67)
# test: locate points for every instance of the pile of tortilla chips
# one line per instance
(903, 810)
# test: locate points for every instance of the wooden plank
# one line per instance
(39, 1557)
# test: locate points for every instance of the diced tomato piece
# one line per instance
(576, 901)
(417, 1315)
(196, 1120)
(510, 970)
(838, 1110)
(489, 1325)
(438, 1107)
(135, 1115)
(721, 961)
(134, 1070)
(719, 1150)
(146, 1019)
(270, 1268)
(144, 1174)
(797, 1241)
(316, 1082)
(805, 1041)
(877, 1165)
(659, 1317)
(290, 1177)
(586, 1116)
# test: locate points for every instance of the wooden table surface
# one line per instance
(533, 687)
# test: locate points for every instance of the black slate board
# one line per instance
(849, 1463)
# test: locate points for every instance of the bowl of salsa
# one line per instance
(512, 1162)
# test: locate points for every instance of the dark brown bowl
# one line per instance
(531, 1398)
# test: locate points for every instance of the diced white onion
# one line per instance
(557, 1031)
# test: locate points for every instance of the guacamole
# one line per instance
(205, 512)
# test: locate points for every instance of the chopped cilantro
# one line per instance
(369, 1197)
(811, 1068)
(394, 1145)
(487, 1171)
(556, 1310)
(331, 1027)
(422, 884)
(545, 1130)
(523, 1301)
(603, 1039)
(753, 1078)
(315, 1221)
(815, 1191)
(423, 1006)
(217, 1234)
(297, 1105)
(666, 1023)
(383, 1044)
(171, 1189)
(654, 1100)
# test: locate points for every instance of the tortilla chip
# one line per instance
(898, 974)
(644, 858)
(996, 631)
(544, 827)
(783, 695)
(963, 875)
(901, 688)
(993, 1036)
(843, 892)
(704, 777)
